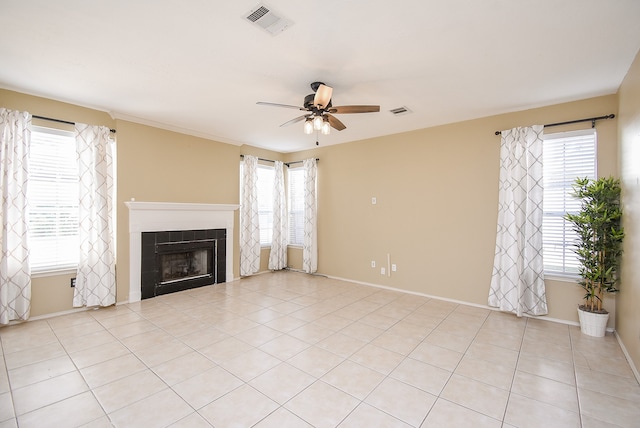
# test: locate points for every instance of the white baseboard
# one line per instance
(628, 357)
(459, 302)
(57, 314)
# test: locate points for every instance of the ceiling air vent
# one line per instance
(400, 111)
(264, 17)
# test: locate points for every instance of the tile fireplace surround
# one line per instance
(166, 216)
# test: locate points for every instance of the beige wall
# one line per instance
(156, 165)
(436, 210)
(628, 300)
(436, 193)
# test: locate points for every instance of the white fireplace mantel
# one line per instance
(163, 216)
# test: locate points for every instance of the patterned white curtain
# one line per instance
(96, 277)
(15, 275)
(517, 283)
(278, 254)
(249, 219)
(310, 244)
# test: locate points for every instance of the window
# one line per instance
(296, 205)
(566, 156)
(53, 200)
(266, 175)
(265, 203)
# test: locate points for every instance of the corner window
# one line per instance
(266, 176)
(566, 156)
(295, 191)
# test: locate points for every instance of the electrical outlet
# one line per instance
(374, 201)
(373, 263)
(383, 271)
(394, 267)
(73, 282)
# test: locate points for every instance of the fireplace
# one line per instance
(174, 218)
(179, 260)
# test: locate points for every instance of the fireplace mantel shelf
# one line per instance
(178, 206)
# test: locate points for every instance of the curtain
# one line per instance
(249, 219)
(517, 283)
(15, 275)
(278, 254)
(310, 244)
(96, 277)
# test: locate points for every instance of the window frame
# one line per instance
(563, 180)
(37, 187)
(291, 203)
(261, 199)
(265, 203)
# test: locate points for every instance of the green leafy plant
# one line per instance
(598, 225)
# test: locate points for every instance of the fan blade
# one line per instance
(335, 123)
(354, 109)
(323, 96)
(262, 103)
(296, 120)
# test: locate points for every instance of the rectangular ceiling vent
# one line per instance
(264, 17)
(400, 111)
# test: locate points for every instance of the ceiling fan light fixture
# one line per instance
(317, 123)
(323, 95)
(326, 127)
(308, 126)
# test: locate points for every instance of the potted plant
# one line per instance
(598, 247)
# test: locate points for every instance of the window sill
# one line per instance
(554, 276)
(54, 272)
(296, 246)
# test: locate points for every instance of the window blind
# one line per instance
(295, 181)
(53, 200)
(566, 156)
(266, 175)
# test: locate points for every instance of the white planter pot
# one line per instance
(593, 324)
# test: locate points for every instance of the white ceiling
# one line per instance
(198, 66)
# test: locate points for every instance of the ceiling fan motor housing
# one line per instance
(308, 103)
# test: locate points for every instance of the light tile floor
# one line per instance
(293, 350)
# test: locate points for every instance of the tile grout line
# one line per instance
(515, 371)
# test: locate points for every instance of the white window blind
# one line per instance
(566, 156)
(295, 179)
(266, 176)
(53, 200)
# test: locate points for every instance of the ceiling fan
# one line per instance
(320, 111)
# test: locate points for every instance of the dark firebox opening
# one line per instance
(176, 263)
(179, 260)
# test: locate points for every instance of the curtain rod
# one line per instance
(286, 163)
(590, 119)
(113, 131)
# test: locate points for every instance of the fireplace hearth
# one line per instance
(179, 260)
